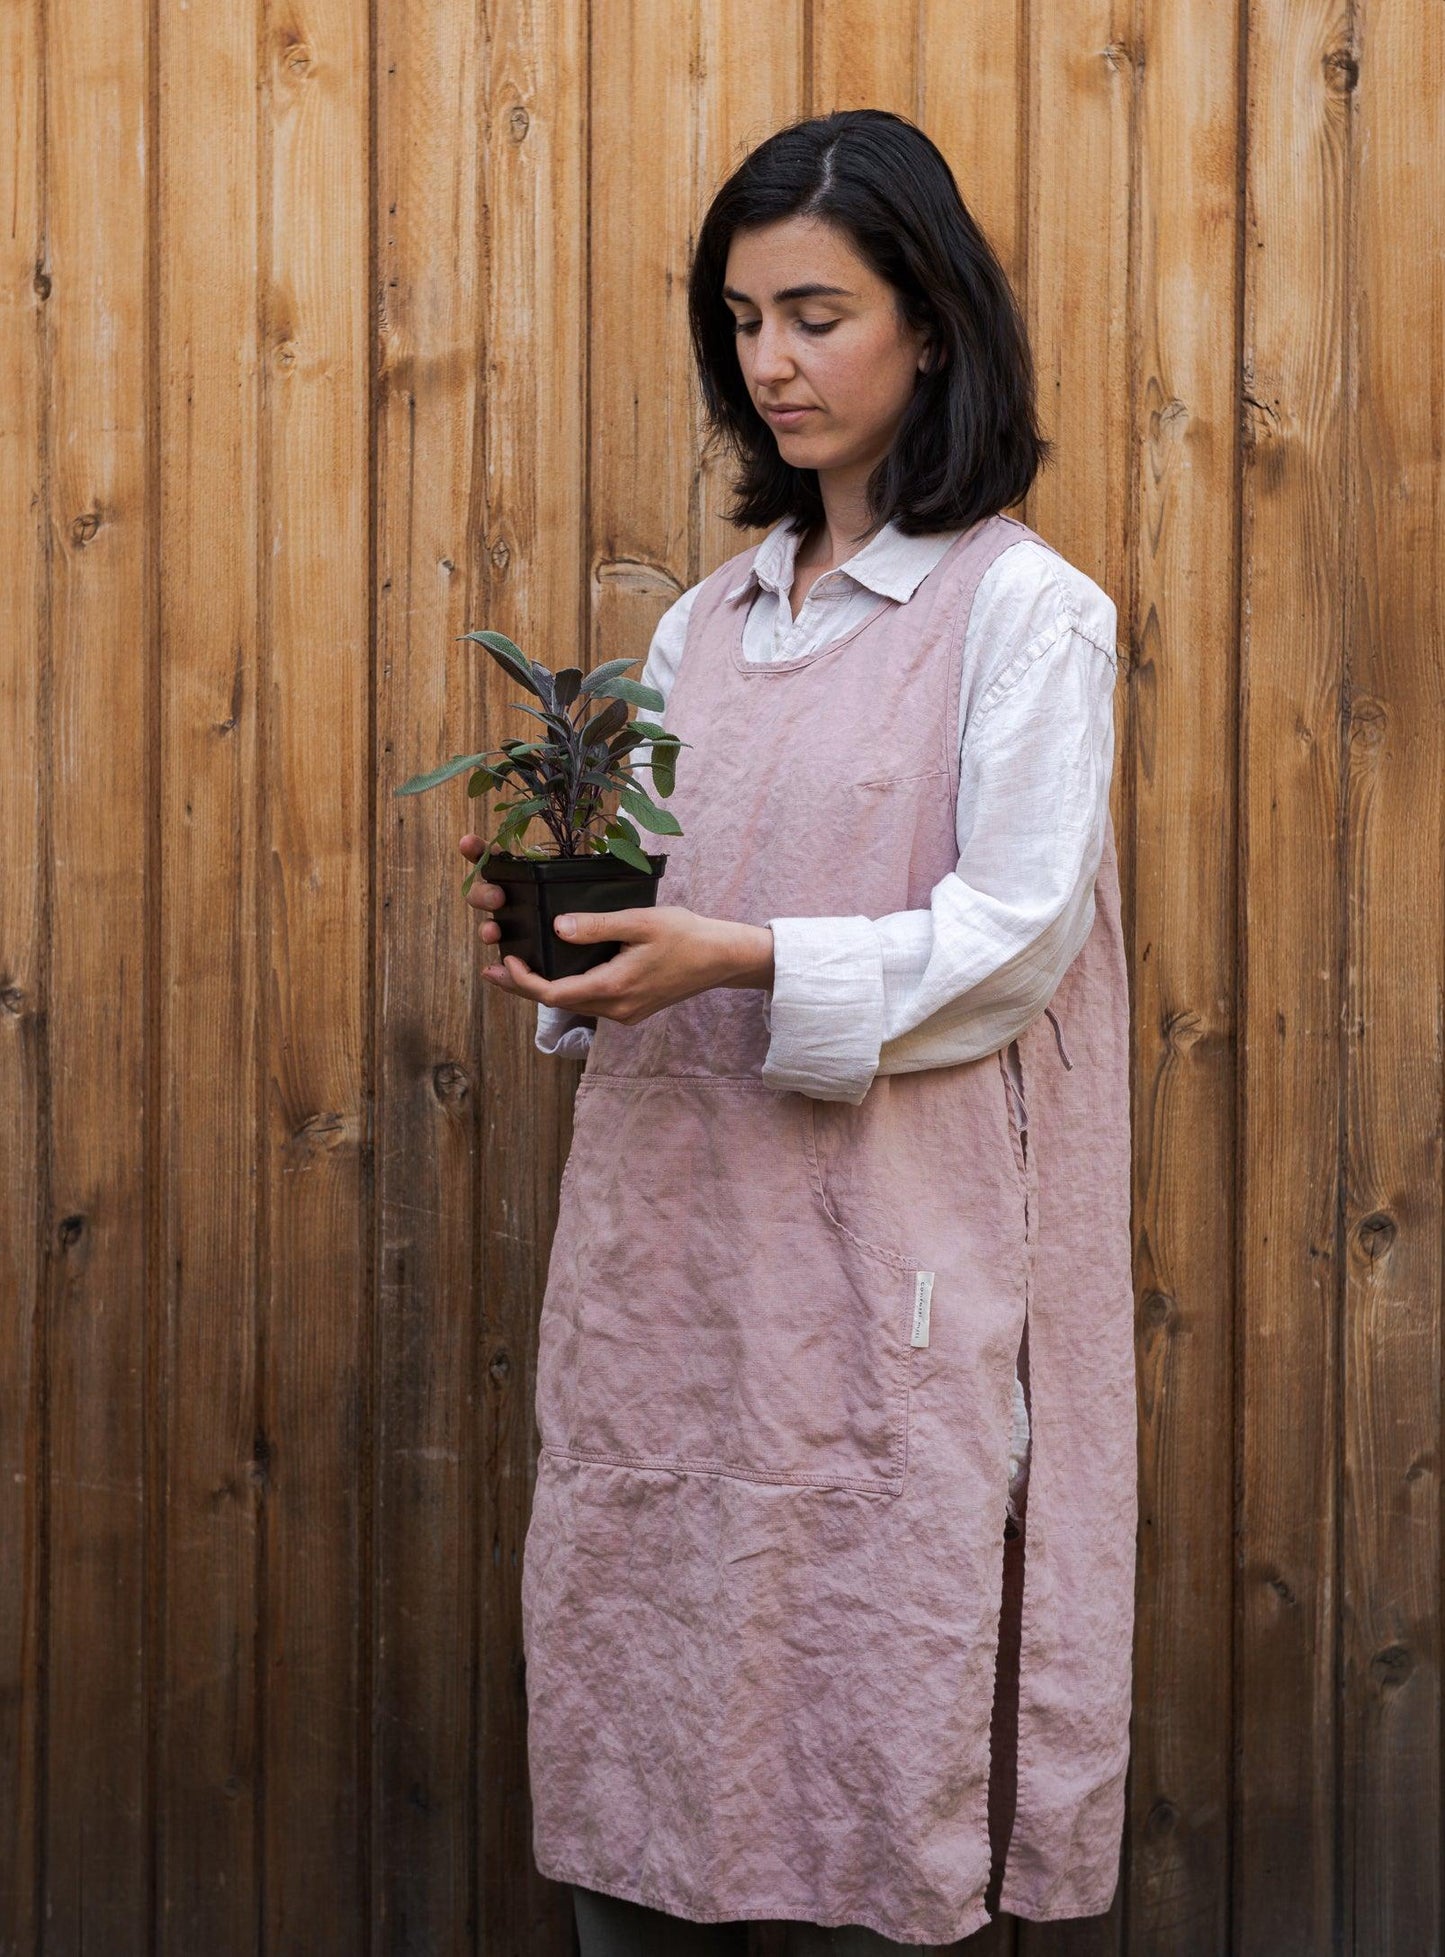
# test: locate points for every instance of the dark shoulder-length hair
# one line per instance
(969, 443)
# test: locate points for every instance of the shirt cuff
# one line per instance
(567, 1035)
(825, 1015)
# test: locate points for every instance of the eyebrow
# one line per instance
(795, 292)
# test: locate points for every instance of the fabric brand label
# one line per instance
(922, 1299)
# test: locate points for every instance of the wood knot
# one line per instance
(1376, 1233)
(1391, 1666)
(258, 1468)
(1162, 1819)
(1182, 1030)
(12, 999)
(41, 282)
(450, 1082)
(499, 1371)
(518, 123)
(1158, 1310)
(1172, 418)
(500, 556)
(318, 1134)
(297, 58)
(1369, 720)
(285, 354)
(1342, 70)
(72, 1229)
(1274, 1579)
(83, 528)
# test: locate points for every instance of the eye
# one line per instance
(808, 326)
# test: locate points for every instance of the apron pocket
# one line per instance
(705, 1311)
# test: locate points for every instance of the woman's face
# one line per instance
(818, 329)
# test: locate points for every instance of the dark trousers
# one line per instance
(609, 1927)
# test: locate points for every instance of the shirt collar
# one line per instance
(891, 564)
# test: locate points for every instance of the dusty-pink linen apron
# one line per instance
(763, 1573)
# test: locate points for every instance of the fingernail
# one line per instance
(566, 926)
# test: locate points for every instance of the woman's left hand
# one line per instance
(668, 953)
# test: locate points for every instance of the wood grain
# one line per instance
(1392, 76)
(207, 1610)
(1292, 659)
(100, 1497)
(1178, 781)
(315, 1418)
(431, 115)
(25, 690)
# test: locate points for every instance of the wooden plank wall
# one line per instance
(329, 333)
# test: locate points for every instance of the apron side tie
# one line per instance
(1059, 1038)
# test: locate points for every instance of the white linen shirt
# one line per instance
(854, 997)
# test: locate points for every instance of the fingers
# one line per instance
(586, 927)
(512, 974)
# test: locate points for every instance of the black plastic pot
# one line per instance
(541, 889)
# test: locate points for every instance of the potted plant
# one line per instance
(595, 861)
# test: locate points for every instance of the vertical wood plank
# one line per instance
(1181, 771)
(209, 994)
(25, 681)
(431, 120)
(1288, 1188)
(314, 1429)
(865, 56)
(1082, 77)
(527, 577)
(973, 102)
(640, 498)
(1395, 932)
(1081, 85)
(751, 80)
(97, 1000)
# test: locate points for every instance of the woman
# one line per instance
(829, 1162)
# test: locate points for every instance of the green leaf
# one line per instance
(458, 764)
(605, 672)
(662, 759)
(620, 826)
(564, 734)
(546, 684)
(661, 821)
(632, 690)
(629, 852)
(510, 658)
(602, 726)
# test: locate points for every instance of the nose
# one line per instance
(772, 362)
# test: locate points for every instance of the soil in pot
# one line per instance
(540, 889)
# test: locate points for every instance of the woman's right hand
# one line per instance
(482, 896)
